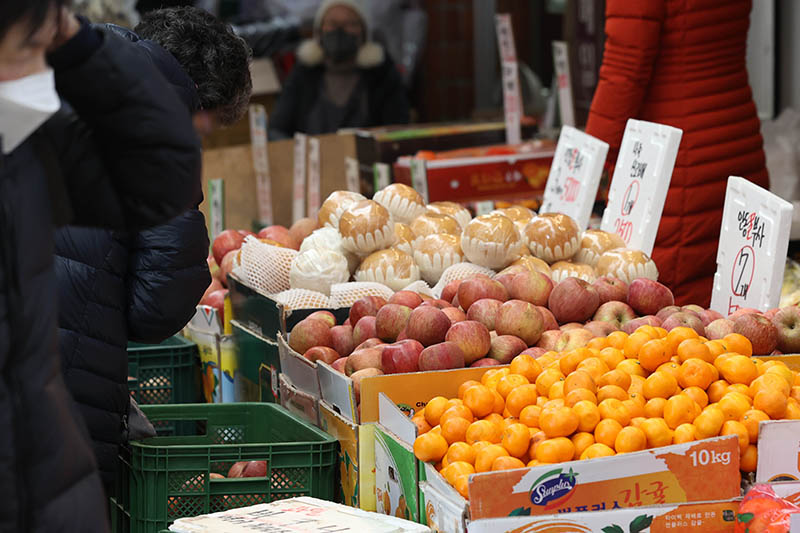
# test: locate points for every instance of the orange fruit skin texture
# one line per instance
(620, 394)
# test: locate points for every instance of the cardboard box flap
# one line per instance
(206, 320)
(301, 372)
(395, 421)
(778, 451)
(441, 512)
(337, 390)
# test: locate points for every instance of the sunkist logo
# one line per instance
(553, 488)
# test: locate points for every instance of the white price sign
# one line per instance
(381, 175)
(512, 101)
(566, 105)
(299, 182)
(216, 194)
(640, 183)
(258, 142)
(314, 193)
(419, 177)
(484, 208)
(753, 242)
(351, 172)
(574, 175)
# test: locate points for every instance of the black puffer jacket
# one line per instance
(93, 170)
(116, 286)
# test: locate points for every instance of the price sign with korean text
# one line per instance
(299, 181)
(314, 193)
(351, 174)
(419, 177)
(574, 175)
(216, 211)
(382, 176)
(753, 242)
(566, 106)
(512, 100)
(258, 143)
(640, 183)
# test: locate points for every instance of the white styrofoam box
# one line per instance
(641, 179)
(753, 242)
(574, 175)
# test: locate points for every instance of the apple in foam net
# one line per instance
(366, 306)
(225, 242)
(615, 312)
(406, 298)
(610, 289)
(759, 329)
(573, 300)
(533, 287)
(342, 340)
(401, 357)
(485, 311)
(648, 297)
(321, 353)
(472, 337)
(391, 320)
(521, 319)
(719, 328)
(548, 319)
(427, 325)
(684, 319)
(441, 356)
(787, 322)
(279, 234)
(648, 320)
(504, 348)
(474, 289)
(365, 329)
(308, 333)
(549, 339)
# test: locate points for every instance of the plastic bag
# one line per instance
(762, 511)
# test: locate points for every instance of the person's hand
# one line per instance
(68, 27)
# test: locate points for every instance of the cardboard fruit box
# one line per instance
(255, 377)
(217, 352)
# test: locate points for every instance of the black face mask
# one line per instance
(339, 45)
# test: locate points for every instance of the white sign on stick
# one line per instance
(512, 100)
(574, 175)
(419, 177)
(258, 142)
(351, 174)
(299, 182)
(216, 193)
(381, 176)
(566, 105)
(640, 183)
(314, 193)
(753, 242)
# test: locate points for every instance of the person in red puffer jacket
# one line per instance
(682, 64)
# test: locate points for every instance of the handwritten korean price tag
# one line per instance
(299, 182)
(216, 190)
(314, 193)
(258, 142)
(574, 175)
(512, 100)
(753, 243)
(566, 106)
(640, 183)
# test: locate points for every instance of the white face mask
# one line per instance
(25, 104)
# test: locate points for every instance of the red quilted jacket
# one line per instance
(682, 63)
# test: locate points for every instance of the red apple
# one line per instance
(401, 357)
(472, 337)
(521, 319)
(437, 303)
(534, 352)
(693, 307)
(321, 353)
(361, 359)
(649, 320)
(548, 319)
(390, 321)
(485, 311)
(213, 267)
(454, 314)
(615, 313)
(719, 328)
(225, 242)
(360, 375)
(610, 289)
(347, 322)
(229, 262)
(365, 329)
(428, 325)
(214, 475)
(665, 312)
(474, 289)
(504, 348)
(573, 300)
(743, 311)
(486, 361)
(450, 290)
(302, 229)
(549, 339)
(217, 300)
(571, 325)
(684, 319)
(574, 339)
(342, 340)
(505, 280)
(770, 313)
(373, 342)
(787, 322)
(600, 328)
(407, 298)
(533, 287)
(215, 285)
(366, 306)
(308, 333)
(759, 329)
(441, 356)
(255, 469)
(339, 364)
(648, 297)
(236, 469)
(280, 235)
(325, 316)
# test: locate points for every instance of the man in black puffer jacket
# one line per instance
(93, 163)
(144, 287)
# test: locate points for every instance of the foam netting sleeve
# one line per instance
(346, 294)
(420, 287)
(267, 267)
(457, 272)
(302, 299)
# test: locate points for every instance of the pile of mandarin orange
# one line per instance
(621, 393)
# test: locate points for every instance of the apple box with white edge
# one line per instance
(301, 372)
(356, 456)
(217, 352)
(298, 402)
(753, 242)
(257, 366)
(641, 179)
(397, 473)
(575, 175)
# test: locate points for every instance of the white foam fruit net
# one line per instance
(420, 287)
(346, 294)
(457, 272)
(302, 299)
(267, 267)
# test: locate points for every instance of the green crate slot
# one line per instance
(168, 477)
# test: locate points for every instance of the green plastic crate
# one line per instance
(167, 477)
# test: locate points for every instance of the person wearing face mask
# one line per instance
(91, 160)
(342, 80)
(116, 286)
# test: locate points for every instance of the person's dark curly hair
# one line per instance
(216, 59)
